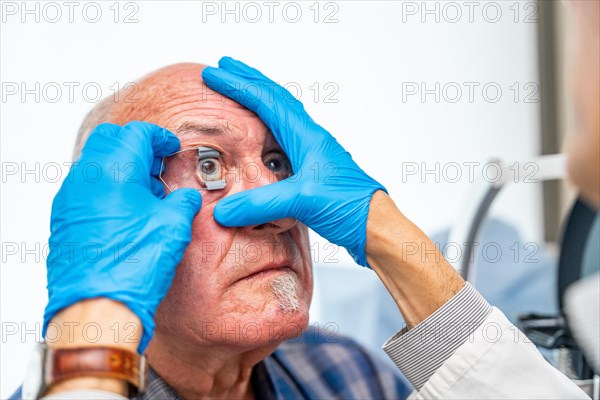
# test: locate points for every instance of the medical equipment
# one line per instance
(554, 332)
(206, 165)
(546, 331)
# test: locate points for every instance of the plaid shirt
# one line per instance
(315, 365)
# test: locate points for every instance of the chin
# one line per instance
(278, 310)
(285, 324)
(258, 312)
(272, 325)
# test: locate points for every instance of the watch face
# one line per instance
(34, 376)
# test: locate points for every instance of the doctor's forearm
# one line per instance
(412, 269)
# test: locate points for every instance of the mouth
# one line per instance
(266, 272)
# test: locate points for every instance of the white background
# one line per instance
(372, 52)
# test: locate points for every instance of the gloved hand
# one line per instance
(328, 191)
(111, 233)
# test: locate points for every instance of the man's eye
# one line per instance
(279, 164)
(210, 169)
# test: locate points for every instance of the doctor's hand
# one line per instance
(328, 192)
(341, 202)
(113, 235)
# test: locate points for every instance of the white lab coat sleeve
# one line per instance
(422, 350)
(498, 362)
(84, 394)
(469, 350)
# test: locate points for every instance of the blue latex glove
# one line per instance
(111, 233)
(328, 192)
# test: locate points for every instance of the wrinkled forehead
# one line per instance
(225, 123)
(182, 103)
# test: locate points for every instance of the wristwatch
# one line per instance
(50, 366)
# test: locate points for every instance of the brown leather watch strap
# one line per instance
(104, 362)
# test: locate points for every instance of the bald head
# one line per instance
(149, 97)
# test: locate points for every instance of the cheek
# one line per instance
(196, 279)
(300, 236)
(204, 253)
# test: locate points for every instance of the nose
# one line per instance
(264, 177)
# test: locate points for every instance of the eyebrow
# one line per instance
(207, 129)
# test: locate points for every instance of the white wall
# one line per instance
(370, 56)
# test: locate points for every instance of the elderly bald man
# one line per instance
(161, 215)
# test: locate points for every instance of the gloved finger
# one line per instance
(184, 202)
(106, 129)
(136, 143)
(101, 139)
(275, 91)
(156, 140)
(247, 92)
(242, 69)
(252, 90)
(157, 187)
(258, 206)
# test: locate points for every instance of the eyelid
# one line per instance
(274, 151)
(284, 158)
(208, 152)
(280, 153)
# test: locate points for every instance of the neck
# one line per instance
(204, 371)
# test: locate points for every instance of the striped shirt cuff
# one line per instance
(420, 351)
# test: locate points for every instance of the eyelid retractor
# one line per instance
(203, 152)
(207, 152)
